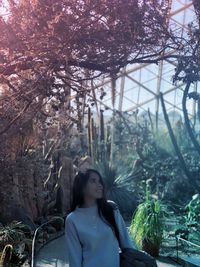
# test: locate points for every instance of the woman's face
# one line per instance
(94, 188)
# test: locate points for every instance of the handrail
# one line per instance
(189, 242)
(186, 241)
(34, 239)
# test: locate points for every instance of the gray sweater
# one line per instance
(90, 242)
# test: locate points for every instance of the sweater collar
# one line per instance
(88, 209)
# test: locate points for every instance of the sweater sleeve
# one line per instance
(73, 245)
(125, 239)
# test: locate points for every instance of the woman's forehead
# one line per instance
(94, 175)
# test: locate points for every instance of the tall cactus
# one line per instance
(112, 139)
(89, 132)
(108, 142)
(102, 134)
(95, 144)
(92, 138)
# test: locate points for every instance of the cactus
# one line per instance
(6, 256)
(100, 140)
(112, 139)
(95, 144)
(92, 137)
(89, 133)
(108, 142)
(102, 126)
(102, 135)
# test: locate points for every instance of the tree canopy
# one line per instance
(49, 48)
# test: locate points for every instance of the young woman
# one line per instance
(93, 226)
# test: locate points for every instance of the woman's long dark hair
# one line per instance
(105, 209)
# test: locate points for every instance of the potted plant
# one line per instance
(147, 224)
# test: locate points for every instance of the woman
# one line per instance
(93, 227)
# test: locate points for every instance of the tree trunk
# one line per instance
(187, 121)
(173, 139)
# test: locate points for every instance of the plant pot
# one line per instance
(150, 248)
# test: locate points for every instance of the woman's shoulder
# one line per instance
(71, 216)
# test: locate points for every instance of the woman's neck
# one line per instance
(89, 203)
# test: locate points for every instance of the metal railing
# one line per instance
(178, 239)
(35, 236)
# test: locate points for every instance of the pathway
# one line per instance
(54, 255)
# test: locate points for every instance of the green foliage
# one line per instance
(193, 211)
(11, 233)
(189, 225)
(159, 136)
(148, 221)
(117, 183)
(19, 236)
(154, 150)
(57, 222)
